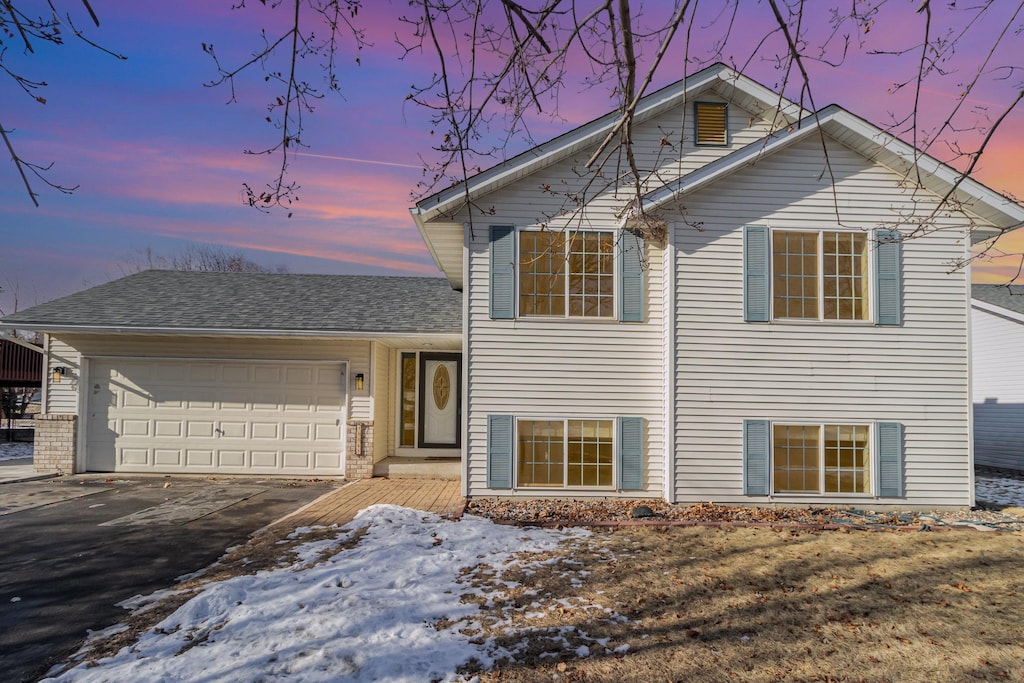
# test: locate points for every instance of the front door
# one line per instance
(440, 398)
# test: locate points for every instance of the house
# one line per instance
(771, 322)
(997, 379)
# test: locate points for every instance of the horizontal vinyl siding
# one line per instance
(998, 390)
(382, 391)
(62, 396)
(564, 368)
(728, 370)
(168, 346)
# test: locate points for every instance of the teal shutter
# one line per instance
(756, 257)
(631, 278)
(503, 271)
(631, 452)
(755, 457)
(890, 459)
(499, 451)
(888, 282)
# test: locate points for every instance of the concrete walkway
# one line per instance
(20, 469)
(341, 505)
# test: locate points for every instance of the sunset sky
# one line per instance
(158, 156)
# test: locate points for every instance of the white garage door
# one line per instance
(244, 417)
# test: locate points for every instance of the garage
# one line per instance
(215, 416)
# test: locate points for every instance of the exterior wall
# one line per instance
(359, 449)
(998, 390)
(577, 367)
(382, 390)
(728, 370)
(55, 443)
(61, 397)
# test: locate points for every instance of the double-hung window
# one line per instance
(820, 275)
(567, 274)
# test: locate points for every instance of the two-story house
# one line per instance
(773, 320)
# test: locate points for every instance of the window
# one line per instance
(564, 273)
(711, 123)
(408, 410)
(820, 275)
(821, 458)
(565, 453)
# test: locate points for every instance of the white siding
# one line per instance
(356, 352)
(581, 368)
(382, 390)
(728, 370)
(998, 390)
(62, 396)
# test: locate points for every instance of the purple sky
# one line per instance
(159, 161)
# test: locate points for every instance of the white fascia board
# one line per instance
(417, 217)
(222, 332)
(591, 133)
(997, 310)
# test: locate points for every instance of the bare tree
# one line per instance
(24, 29)
(196, 257)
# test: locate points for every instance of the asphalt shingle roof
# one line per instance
(1010, 297)
(257, 301)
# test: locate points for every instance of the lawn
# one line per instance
(400, 595)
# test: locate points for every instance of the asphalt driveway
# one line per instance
(74, 547)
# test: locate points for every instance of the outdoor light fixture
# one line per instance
(359, 381)
(59, 372)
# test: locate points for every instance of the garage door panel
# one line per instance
(208, 416)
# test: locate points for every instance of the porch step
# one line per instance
(397, 467)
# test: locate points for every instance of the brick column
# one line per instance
(359, 450)
(56, 436)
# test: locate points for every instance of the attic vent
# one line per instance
(710, 123)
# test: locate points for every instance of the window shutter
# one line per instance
(890, 459)
(499, 451)
(756, 257)
(631, 278)
(502, 264)
(631, 453)
(887, 277)
(755, 457)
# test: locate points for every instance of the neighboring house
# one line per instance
(770, 337)
(997, 377)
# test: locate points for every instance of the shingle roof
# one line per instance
(1010, 297)
(159, 299)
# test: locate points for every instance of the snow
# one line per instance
(14, 450)
(389, 608)
(999, 490)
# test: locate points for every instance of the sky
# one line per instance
(159, 164)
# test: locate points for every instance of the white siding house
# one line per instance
(750, 370)
(997, 377)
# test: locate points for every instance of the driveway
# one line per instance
(76, 546)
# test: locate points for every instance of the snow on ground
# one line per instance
(999, 490)
(15, 450)
(372, 612)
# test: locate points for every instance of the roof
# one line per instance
(1007, 297)
(726, 81)
(872, 142)
(157, 301)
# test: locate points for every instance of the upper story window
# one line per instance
(820, 275)
(566, 274)
(711, 123)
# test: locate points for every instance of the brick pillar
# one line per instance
(56, 436)
(359, 450)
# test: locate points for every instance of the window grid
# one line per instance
(795, 274)
(844, 274)
(565, 453)
(589, 461)
(592, 274)
(541, 453)
(821, 458)
(541, 273)
(847, 459)
(820, 275)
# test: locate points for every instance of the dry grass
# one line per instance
(717, 604)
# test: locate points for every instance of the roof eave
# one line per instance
(997, 310)
(51, 328)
